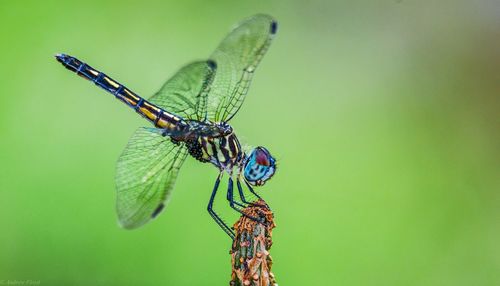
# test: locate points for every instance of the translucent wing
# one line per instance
(146, 173)
(186, 92)
(237, 56)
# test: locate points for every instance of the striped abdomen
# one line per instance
(159, 117)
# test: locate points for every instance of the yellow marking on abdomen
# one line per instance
(130, 101)
(162, 123)
(130, 94)
(92, 71)
(147, 113)
(150, 106)
(111, 82)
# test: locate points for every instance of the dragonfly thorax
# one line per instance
(209, 129)
(222, 151)
(224, 128)
(209, 142)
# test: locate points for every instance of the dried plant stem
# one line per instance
(251, 262)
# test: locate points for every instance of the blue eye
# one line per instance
(259, 167)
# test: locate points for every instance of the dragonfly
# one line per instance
(190, 115)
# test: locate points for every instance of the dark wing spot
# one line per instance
(158, 210)
(212, 64)
(274, 27)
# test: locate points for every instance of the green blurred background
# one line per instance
(384, 116)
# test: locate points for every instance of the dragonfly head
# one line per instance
(259, 167)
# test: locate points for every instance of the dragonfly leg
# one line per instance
(230, 197)
(232, 202)
(252, 191)
(214, 215)
(242, 194)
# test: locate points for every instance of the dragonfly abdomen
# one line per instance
(159, 117)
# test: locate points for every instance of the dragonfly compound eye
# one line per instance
(259, 167)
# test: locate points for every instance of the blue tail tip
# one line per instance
(60, 57)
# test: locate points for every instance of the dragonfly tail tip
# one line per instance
(60, 57)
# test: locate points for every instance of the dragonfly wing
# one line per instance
(237, 56)
(185, 94)
(145, 177)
